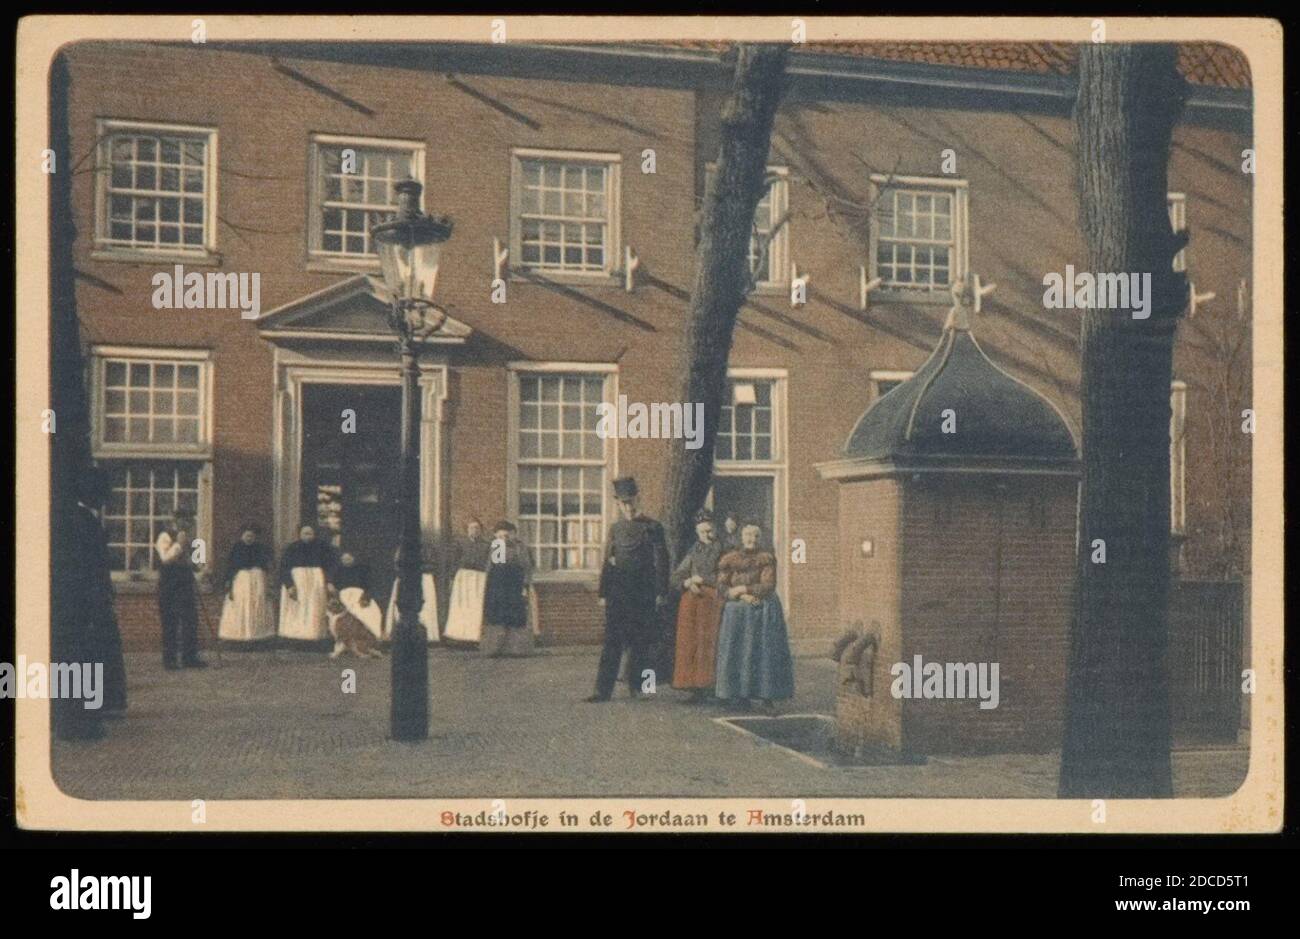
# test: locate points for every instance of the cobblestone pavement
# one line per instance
(275, 724)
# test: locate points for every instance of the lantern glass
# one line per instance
(410, 271)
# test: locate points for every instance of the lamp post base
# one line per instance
(410, 709)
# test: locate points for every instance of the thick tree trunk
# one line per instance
(71, 561)
(1117, 726)
(722, 277)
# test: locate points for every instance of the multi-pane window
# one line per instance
(561, 470)
(355, 191)
(155, 188)
(151, 402)
(745, 422)
(919, 235)
(143, 496)
(565, 213)
(1177, 202)
(153, 438)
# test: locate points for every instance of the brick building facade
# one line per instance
(230, 159)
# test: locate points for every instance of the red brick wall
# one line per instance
(1022, 224)
(137, 615)
(972, 596)
(468, 146)
(870, 593)
(570, 615)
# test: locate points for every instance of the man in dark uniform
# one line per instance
(633, 585)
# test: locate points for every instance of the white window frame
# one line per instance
(1178, 457)
(959, 259)
(876, 376)
(318, 257)
(777, 468)
(777, 379)
(200, 453)
(106, 248)
(203, 520)
(607, 371)
(613, 163)
(1177, 204)
(202, 449)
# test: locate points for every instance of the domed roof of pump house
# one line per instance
(992, 415)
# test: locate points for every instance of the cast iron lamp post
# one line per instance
(409, 247)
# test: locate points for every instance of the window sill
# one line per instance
(128, 256)
(179, 452)
(148, 583)
(134, 585)
(770, 290)
(566, 279)
(931, 297)
(326, 265)
(138, 586)
(588, 580)
(757, 465)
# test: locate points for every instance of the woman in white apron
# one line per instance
(429, 609)
(305, 571)
(352, 581)
(465, 615)
(246, 614)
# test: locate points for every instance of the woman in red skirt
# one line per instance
(700, 612)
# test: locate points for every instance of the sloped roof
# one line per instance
(1206, 63)
(996, 416)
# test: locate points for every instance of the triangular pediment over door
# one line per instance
(353, 310)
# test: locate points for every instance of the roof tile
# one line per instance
(1208, 63)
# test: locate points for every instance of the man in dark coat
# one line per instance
(104, 638)
(83, 624)
(633, 585)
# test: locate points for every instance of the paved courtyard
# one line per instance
(275, 724)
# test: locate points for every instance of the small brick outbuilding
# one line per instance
(958, 510)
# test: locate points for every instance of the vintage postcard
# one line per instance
(658, 425)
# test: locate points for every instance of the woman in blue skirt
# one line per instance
(754, 661)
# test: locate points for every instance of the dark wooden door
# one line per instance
(351, 454)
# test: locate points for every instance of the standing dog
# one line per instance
(350, 634)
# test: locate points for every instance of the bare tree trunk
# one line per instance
(722, 276)
(71, 560)
(1117, 722)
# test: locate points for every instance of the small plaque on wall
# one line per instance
(867, 548)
